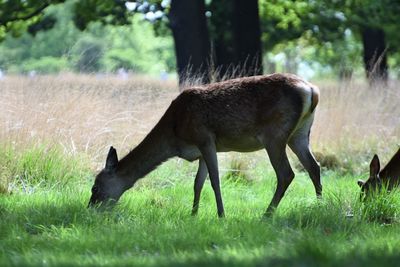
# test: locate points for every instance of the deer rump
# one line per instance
(239, 114)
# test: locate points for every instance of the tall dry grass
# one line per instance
(87, 114)
(81, 113)
(355, 120)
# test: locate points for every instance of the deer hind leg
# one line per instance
(209, 154)
(198, 184)
(277, 155)
(300, 145)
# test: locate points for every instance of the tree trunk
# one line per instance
(192, 42)
(375, 59)
(223, 48)
(236, 38)
(247, 36)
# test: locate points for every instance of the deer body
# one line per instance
(246, 114)
(391, 172)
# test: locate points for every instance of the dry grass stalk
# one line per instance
(88, 113)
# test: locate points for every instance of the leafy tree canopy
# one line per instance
(18, 16)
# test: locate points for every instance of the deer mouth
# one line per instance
(101, 204)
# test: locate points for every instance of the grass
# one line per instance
(40, 166)
(152, 226)
(56, 130)
(86, 114)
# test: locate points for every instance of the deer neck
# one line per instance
(391, 172)
(156, 148)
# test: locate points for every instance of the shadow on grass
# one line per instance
(38, 213)
(369, 259)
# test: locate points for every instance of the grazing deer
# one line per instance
(245, 114)
(389, 176)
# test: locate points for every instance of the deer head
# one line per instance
(374, 182)
(108, 186)
(388, 176)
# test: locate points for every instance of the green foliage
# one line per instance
(99, 48)
(87, 54)
(134, 48)
(327, 33)
(17, 16)
(284, 20)
(16, 52)
(329, 30)
(105, 11)
(45, 65)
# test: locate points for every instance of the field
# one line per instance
(55, 132)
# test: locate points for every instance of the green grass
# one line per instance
(152, 226)
(40, 166)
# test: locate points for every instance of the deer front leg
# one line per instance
(209, 153)
(198, 184)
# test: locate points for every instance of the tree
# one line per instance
(192, 44)
(17, 16)
(327, 24)
(188, 24)
(186, 20)
(236, 38)
(369, 20)
(247, 36)
(374, 54)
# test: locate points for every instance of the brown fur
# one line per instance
(245, 114)
(391, 172)
(389, 176)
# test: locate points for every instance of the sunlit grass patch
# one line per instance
(152, 226)
(40, 166)
(381, 206)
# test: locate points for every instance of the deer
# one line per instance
(244, 114)
(388, 177)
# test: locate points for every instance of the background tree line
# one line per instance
(211, 39)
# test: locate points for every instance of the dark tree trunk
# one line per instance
(375, 60)
(224, 50)
(192, 42)
(236, 38)
(247, 36)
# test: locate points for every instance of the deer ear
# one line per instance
(360, 183)
(374, 167)
(112, 160)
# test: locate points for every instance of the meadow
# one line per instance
(55, 132)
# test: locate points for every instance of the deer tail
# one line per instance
(314, 98)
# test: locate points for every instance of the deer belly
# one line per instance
(189, 152)
(239, 144)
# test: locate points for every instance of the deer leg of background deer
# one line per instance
(198, 184)
(284, 173)
(300, 146)
(209, 153)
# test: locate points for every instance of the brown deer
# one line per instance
(389, 176)
(245, 114)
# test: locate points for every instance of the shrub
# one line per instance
(87, 54)
(44, 65)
